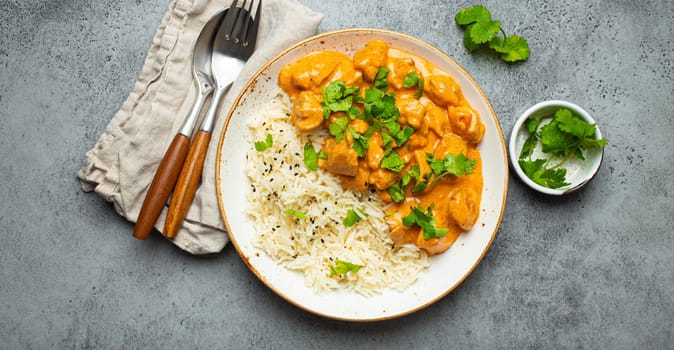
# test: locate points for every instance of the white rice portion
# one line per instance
(280, 181)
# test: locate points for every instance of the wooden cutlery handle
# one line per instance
(162, 184)
(187, 184)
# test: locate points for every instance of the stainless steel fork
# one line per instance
(234, 44)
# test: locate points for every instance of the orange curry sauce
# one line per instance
(443, 122)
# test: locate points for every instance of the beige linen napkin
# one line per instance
(122, 164)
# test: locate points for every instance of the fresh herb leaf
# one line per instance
(298, 214)
(322, 155)
(397, 193)
(393, 162)
(482, 31)
(380, 80)
(512, 48)
(413, 79)
(261, 146)
(360, 142)
(343, 267)
(424, 219)
(548, 177)
(337, 97)
(338, 127)
(452, 165)
(310, 157)
(477, 13)
(353, 216)
(573, 125)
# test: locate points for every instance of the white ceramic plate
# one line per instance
(447, 270)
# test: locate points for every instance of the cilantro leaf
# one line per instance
(322, 155)
(397, 193)
(337, 97)
(553, 139)
(380, 80)
(574, 125)
(513, 48)
(343, 267)
(455, 165)
(360, 142)
(483, 31)
(477, 13)
(298, 214)
(261, 146)
(393, 162)
(338, 127)
(413, 79)
(548, 177)
(353, 216)
(424, 219)
(459, 165)
(310, 157)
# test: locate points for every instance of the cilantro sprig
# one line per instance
(566, 136)
(424, 219)
(482, 31)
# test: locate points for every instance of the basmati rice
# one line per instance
(280, 181)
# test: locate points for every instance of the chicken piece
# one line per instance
(383, 178)
(436, 245)
(312, 71)
(442, 90)
(358, 182)
(342, 158)
(399, 68)
(450, 144)
(307, 113)
(466, 123)
(437, 119)
(375, 153)
(370, 58)
(411, 110)
(464, 206)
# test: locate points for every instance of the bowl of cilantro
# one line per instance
(556, 147)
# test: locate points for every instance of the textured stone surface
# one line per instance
(592, 270)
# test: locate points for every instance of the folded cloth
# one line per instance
(122, 164)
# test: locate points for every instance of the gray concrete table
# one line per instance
(592, 270)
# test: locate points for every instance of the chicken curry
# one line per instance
(399, 126)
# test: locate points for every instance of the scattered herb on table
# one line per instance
(482, 31)
(566, 136)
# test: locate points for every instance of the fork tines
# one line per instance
(237, 20)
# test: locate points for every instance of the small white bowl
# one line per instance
(578, 172)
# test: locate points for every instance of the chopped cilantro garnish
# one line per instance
(455, 165)
(424, 219)
(380, 81)
(310, 157)
(353, 216)
(338, 98)
(338, 127)
(261, 146)
(298, 214)
(397, 192)
(393, 162)
(322, 155)
(343, 267)
(481, 31)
